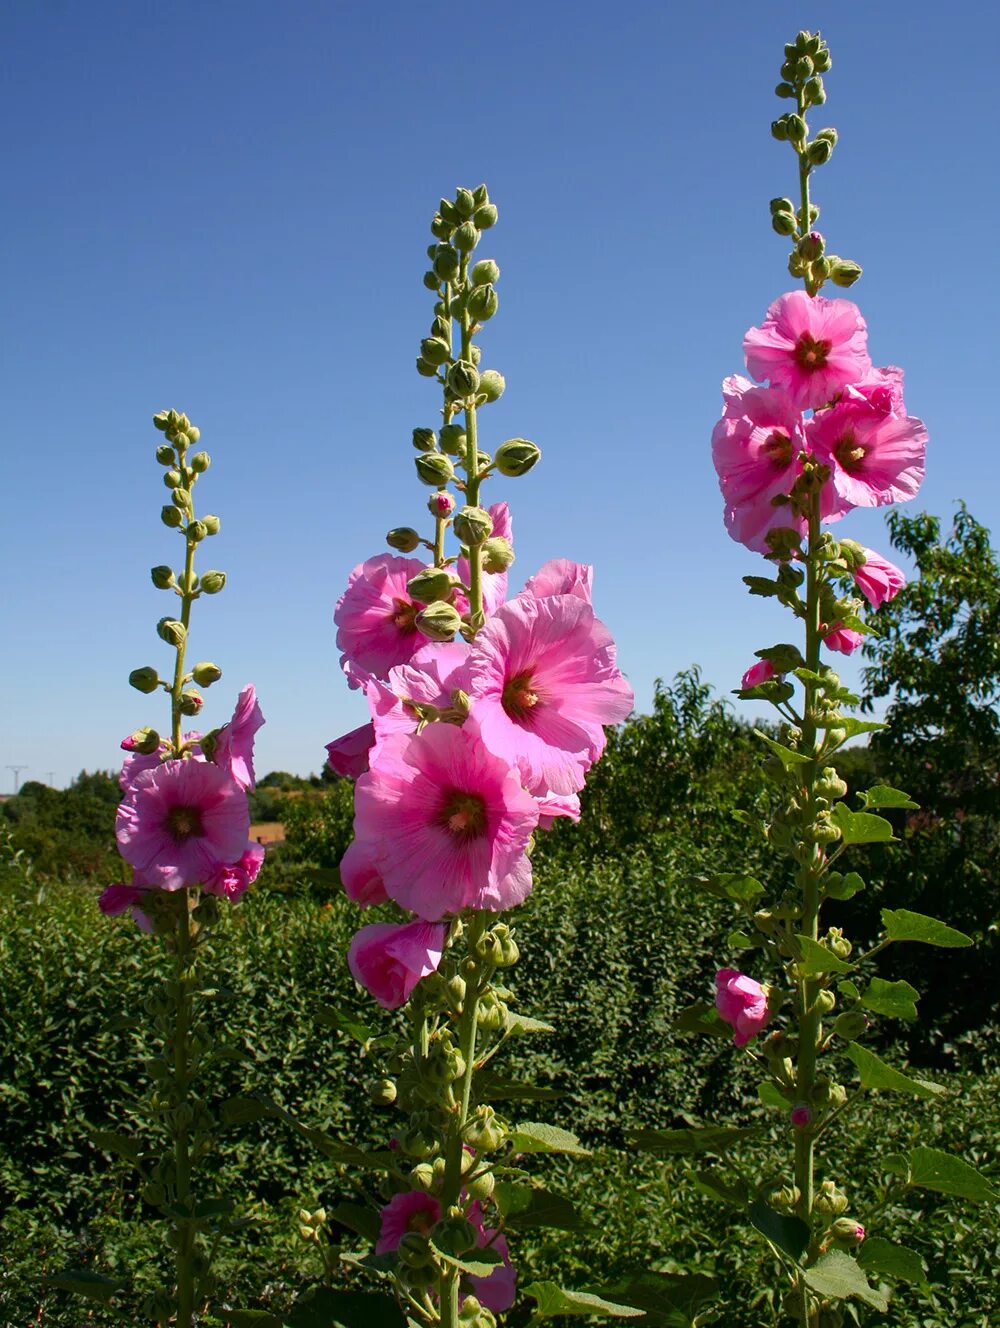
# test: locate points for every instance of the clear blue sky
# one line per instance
(223, 208)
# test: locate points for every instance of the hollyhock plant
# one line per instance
(389, 960)
(810, 347)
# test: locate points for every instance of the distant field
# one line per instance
(268, 832)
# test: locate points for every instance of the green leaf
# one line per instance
(884, 1259)
(789, 1234)
(739, 940)
(345, 1023)
(518, 1024)
(705, 1139)
(243, 1110)
(847, 887)
(670, 1300)
(533, 1137)
(785, 755)
(817, 958)
(737, 886)
(931, 1169)
(365, 1221)
(82, 1282)
(761, 585)
(552, 1300)
(702, 1018)
(902, 925)
(495, 1088)
(526, 1206)
(848, 990)
(711, 1184)
(893, 999)
(477, 1263)
(214, 1208)
(861, 827)
(851, 726)
(837, 1275)
(876, 1074)
(881, 795)
(121, 1145)
(253, 1319)
(322, 1307)
(772, 1096)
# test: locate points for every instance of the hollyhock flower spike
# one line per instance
(389, 960)
(809, 347)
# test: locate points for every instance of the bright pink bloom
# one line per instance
(389, 959)
(494, 583)
(560, 576)
(360, 877)
(375, 617)
(844, 640)
(232, 880)
(409, 1211)
(180, 822)
(879, 580)
(348, 756)
(756, 448)
(498, 1291)
(543, 682)
(875, 459)
(742, 1003)
(881, 390)
(441, 504)
(447, 823)
(115, 899)
(234, 741)
(434, 672)
(811, 347)
(762, 671)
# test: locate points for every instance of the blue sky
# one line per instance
(223, 208)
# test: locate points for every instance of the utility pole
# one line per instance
(17, 775)
(48, 778)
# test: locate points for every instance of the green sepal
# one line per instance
(552, 1301)
(817, 959)
(883, 1258)
(785, 755)
(861, 827)
(837, 1275)
(526, 1206)
(882, 795)
(896, 1000)
(534, 1137)
(772, 1096)
(789, 1234)
(875, 1073)
(902, 925)
(701, 1139)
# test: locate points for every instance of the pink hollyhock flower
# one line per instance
(116, 898)
(360, 877)
(447, 823)
(742, 1003)
(232, 880)
(494, 583)
(762, 671)
(800, 1115)
(497, 1291)
(878, 579)
(180, 822)
(389, 960)
(234, 741)
(756, 448)
(811, 347)
(409, 1211)
(136, 762)
(875, 459)
(376, 617)
(881, 390)
(560, 576)
(543, 682)
(844, 640)
(348, 756)
(551, 806)
(434, 672)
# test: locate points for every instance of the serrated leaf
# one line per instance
(495, 1088)
(785, 755)
(881, 795)
(83, 1282)
(702, 1018)
(789, 1234)
(851, 726)
(739, 940)
(243, 1110)
(860, 827)
(365, 1221)
(737, 886)
(552, 1300)
(875, 1073)
(121, 1145)
(526, 1206)
(772, 1096)
(896, 1000)
(817, 958)
(736, 1194)
(477, 1263)
(670, 1300)
(885, 1259)
(902, 925)
(322, 1307)
(704, 1139)
(761, 585)
(931, 1169)
(519, 1024)
(344, 1023)
(837, 1275)
(534, 1137)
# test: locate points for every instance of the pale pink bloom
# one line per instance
(447, 823)
(180, 822)
(742, 1003)
(878, 579)
(494, 583)
(811, 347)
(389, 959)
(116, 898)
(551, 806)
(543, 682)
(844, 640)
(560, 576)
(498, 1291)
(875, 459)
(412, 1210)
(375, 617)
(234, 741)
(360, 877)
(756, 448)
(347, 756)
(434, 672)
(762, 671)
(232, 880)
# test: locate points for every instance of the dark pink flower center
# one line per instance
(184, 823)
(463, 814)
(778, 449)
(403, 616)
(811, 354)
(849, 452)
(519, 697)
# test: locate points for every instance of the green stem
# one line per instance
(805, 225)
(187, 598)
(476, 615)
(182, 1157)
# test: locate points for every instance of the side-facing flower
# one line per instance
(497, 1291)
(874, 459)
(878, 579)
(844, 640)
(232, 880)
(762, 671)
(347, 756)
(233, 749)
(809, 346)
(389, 959)
(409, 1211)
(742, 1003)
(376, 618)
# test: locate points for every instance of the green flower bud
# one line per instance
(434, 468)
(431, 281)
(847, 1232)
(211, 524)
(497, 554)
(161, 420)
(811, 246)
(440, 228)
(822, 60)
(465, 202)
(475, 354)
(193, 433)
(144, 680)
(172, 478)
(414, 1250)
(485, 216)
(171, 631)
(435, 350)
(424, 440)
(784, 90)
(205, 673)
(382, 1092)
(783, 223)
(166, 455)
(441, 327)
(446, 262)
(843, 272)
(839, 943)
(850, 1025)
(417, 1142)
(425, 369)
(830, 1200)
(190, 702)
(211, 582)
(483, 302)
(779, 129)
(146, 741)
(467, 237)
(422, 1177)
(431, 585)
(438, 622)
(456, 1235)
(456, 991)
(803, 40)
(453, 439)
(825, 1002)
(815, 92)
(796, 264)
(162, 577)
(196, 531)
(819, 152)
(480, 195)
(516, 457)
(483, 462)
(803, 68)
(200, 462)
(782, 205)
(463, 378)
(481, 1187)
(449, 212)
(403, 538)
(795, 128)
(473, 525)
(485, 273)
(181, 498)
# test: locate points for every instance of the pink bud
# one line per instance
(800, 1115)
(763, 671)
